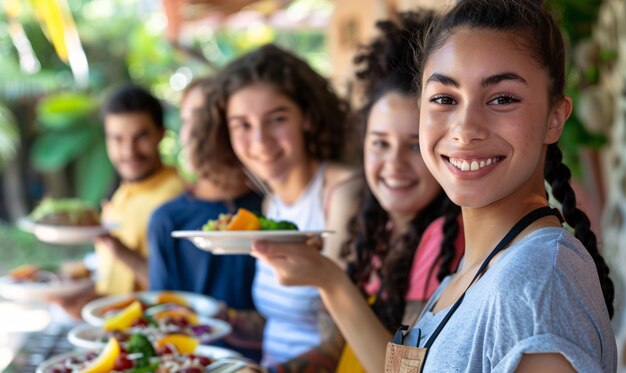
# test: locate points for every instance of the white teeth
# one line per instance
(473, 165)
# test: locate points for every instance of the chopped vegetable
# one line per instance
(139, 343)
(225, 222)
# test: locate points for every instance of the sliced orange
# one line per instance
(105, 362)
(244, 220)
(124, 319)
(184, 344)
(171, 297)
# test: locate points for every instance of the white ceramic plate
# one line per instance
(202, 350)
(64, 235)
(39, 291)
(240, 242)
(90, 337)
(203, 305)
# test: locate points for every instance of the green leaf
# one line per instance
(54, 150)
(66, 110)
(94, 173)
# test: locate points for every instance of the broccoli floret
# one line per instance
(139, 343)
(273, 225)
(286, 226)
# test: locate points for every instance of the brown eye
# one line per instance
(443, 100)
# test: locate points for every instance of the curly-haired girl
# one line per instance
(530, 296)
(272, 113)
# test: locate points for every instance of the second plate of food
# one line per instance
(96, 311)
(94, 337)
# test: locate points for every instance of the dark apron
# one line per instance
(407, 359)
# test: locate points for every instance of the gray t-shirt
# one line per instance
(541, 295)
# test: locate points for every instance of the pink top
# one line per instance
(423, 281)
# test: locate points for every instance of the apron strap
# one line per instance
(517, 229)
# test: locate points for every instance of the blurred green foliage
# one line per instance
(577, 18)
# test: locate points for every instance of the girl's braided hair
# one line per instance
(388, 65)
(538, 32)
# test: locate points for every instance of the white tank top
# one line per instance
(308, 210)
(291, 313)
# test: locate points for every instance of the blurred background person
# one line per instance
(133, 127)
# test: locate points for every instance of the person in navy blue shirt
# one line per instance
(177, 264)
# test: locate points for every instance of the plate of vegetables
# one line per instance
(36, 283)
(235, 233)
(65, 221)
(154, 327)
(177, 353)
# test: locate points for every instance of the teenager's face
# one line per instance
(485, 117)
(192, 101)
(266, 131)
(394, 169)
(132, 141)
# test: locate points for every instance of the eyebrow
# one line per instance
(385, 134)
(445, 80)
(492, 80)
(275, 110)
(495, 79)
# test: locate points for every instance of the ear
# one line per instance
(558, 116)
(306, 122)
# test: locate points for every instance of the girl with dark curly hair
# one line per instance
(531, 295)
(398, 247)
(271, 113)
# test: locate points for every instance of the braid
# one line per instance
(558, 175)
(451, 230)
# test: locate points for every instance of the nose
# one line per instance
(468, 125)
(259, 133)
(129, 149)
(397, 158)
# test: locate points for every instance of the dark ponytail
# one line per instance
(558, 175)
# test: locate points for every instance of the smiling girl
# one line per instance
(276, 116)
(530, 296)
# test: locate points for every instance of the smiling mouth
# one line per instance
(473, 164)
(398, 183)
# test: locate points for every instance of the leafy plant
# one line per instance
(71, 135)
